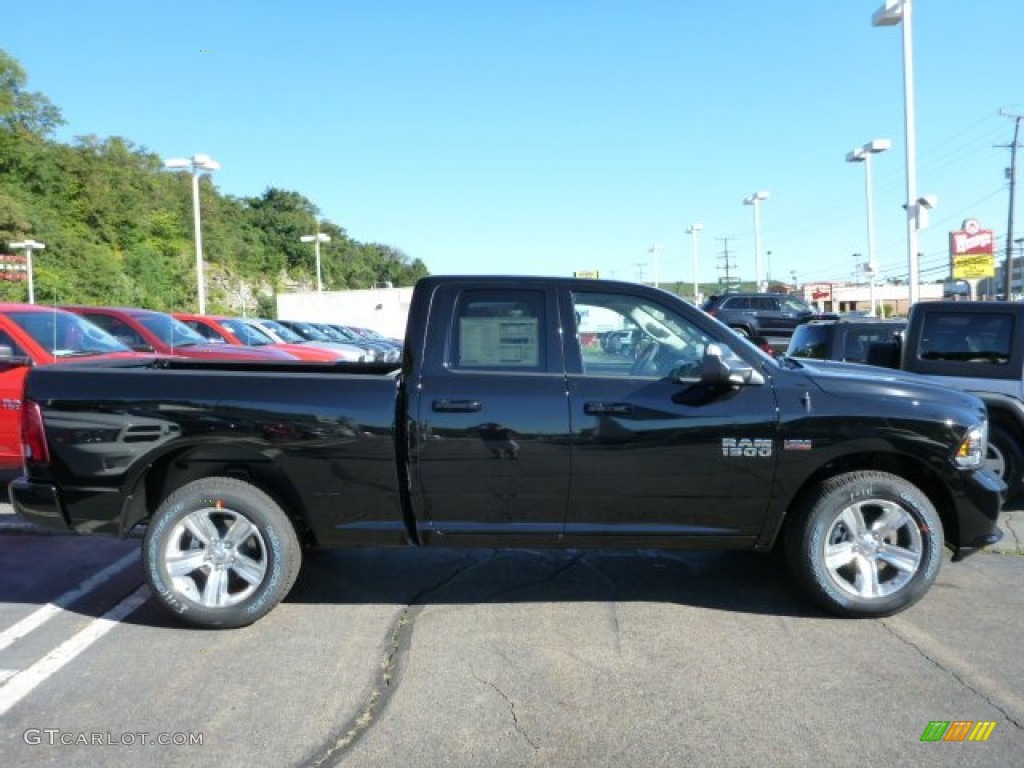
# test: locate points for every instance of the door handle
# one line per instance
(456, 406)
(606, 409)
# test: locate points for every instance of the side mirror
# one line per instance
(716, 370)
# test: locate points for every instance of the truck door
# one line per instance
(657, 455)
(490, 440)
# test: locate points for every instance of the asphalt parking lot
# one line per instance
(503, 658)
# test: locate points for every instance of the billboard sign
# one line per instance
(972, 251)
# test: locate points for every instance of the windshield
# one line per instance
(345, 333)
(332, 333)
(283, 332)
(308, 332)
(64, 334)
(791, 304)
(247, 334)
(171, 331)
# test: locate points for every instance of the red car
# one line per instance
(34, 335)
(230, 330)
(148, 331)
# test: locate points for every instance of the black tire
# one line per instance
(219, 552)
(1006, 459)
(868, 544)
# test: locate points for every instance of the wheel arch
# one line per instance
(910, 469)
(166, 474)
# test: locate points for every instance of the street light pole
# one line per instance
(755, 200)
(28, 246)
(316, 239)
(692, 230)
(891, 13)
(656, 249)
(863, 155)
(196, 164)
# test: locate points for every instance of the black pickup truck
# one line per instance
(507, 425)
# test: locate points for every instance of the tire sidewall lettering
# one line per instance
(808, 539)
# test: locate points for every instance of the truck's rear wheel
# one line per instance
(867, 544)
(220, 553)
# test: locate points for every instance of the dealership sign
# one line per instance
(972, 251)
(13, 266)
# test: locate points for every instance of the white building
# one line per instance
(384, 310)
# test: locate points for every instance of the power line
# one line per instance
(1012, 171)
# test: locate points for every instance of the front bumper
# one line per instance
(978, 505)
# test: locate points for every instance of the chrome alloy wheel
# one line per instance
(873, 549)
(215, 557)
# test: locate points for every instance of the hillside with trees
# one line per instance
(118, 228)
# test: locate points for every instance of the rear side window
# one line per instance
(499, 330)
(962, 337)
(859, 341)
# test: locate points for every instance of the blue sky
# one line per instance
(547, 137)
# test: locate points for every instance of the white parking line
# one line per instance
(24, 682)
(48, 611)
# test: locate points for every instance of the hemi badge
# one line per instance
(796, 445)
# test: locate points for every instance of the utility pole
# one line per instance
(726, 264)
(1011, 172)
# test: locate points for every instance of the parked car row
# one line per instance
(31, 335)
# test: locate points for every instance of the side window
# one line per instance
(859, 341)
(663, 343)
(499, 330)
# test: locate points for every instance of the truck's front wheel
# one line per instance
(220, 553)
(1005, 459)
(867, 544)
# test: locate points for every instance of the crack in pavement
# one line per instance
(511, 708)
(387, 678)
(947, 664)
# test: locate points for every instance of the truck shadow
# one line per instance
(40, 566)
(728, 581)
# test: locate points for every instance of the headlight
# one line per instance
(971, 453)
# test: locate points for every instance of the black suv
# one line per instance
(762, 314)
(846, 339)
